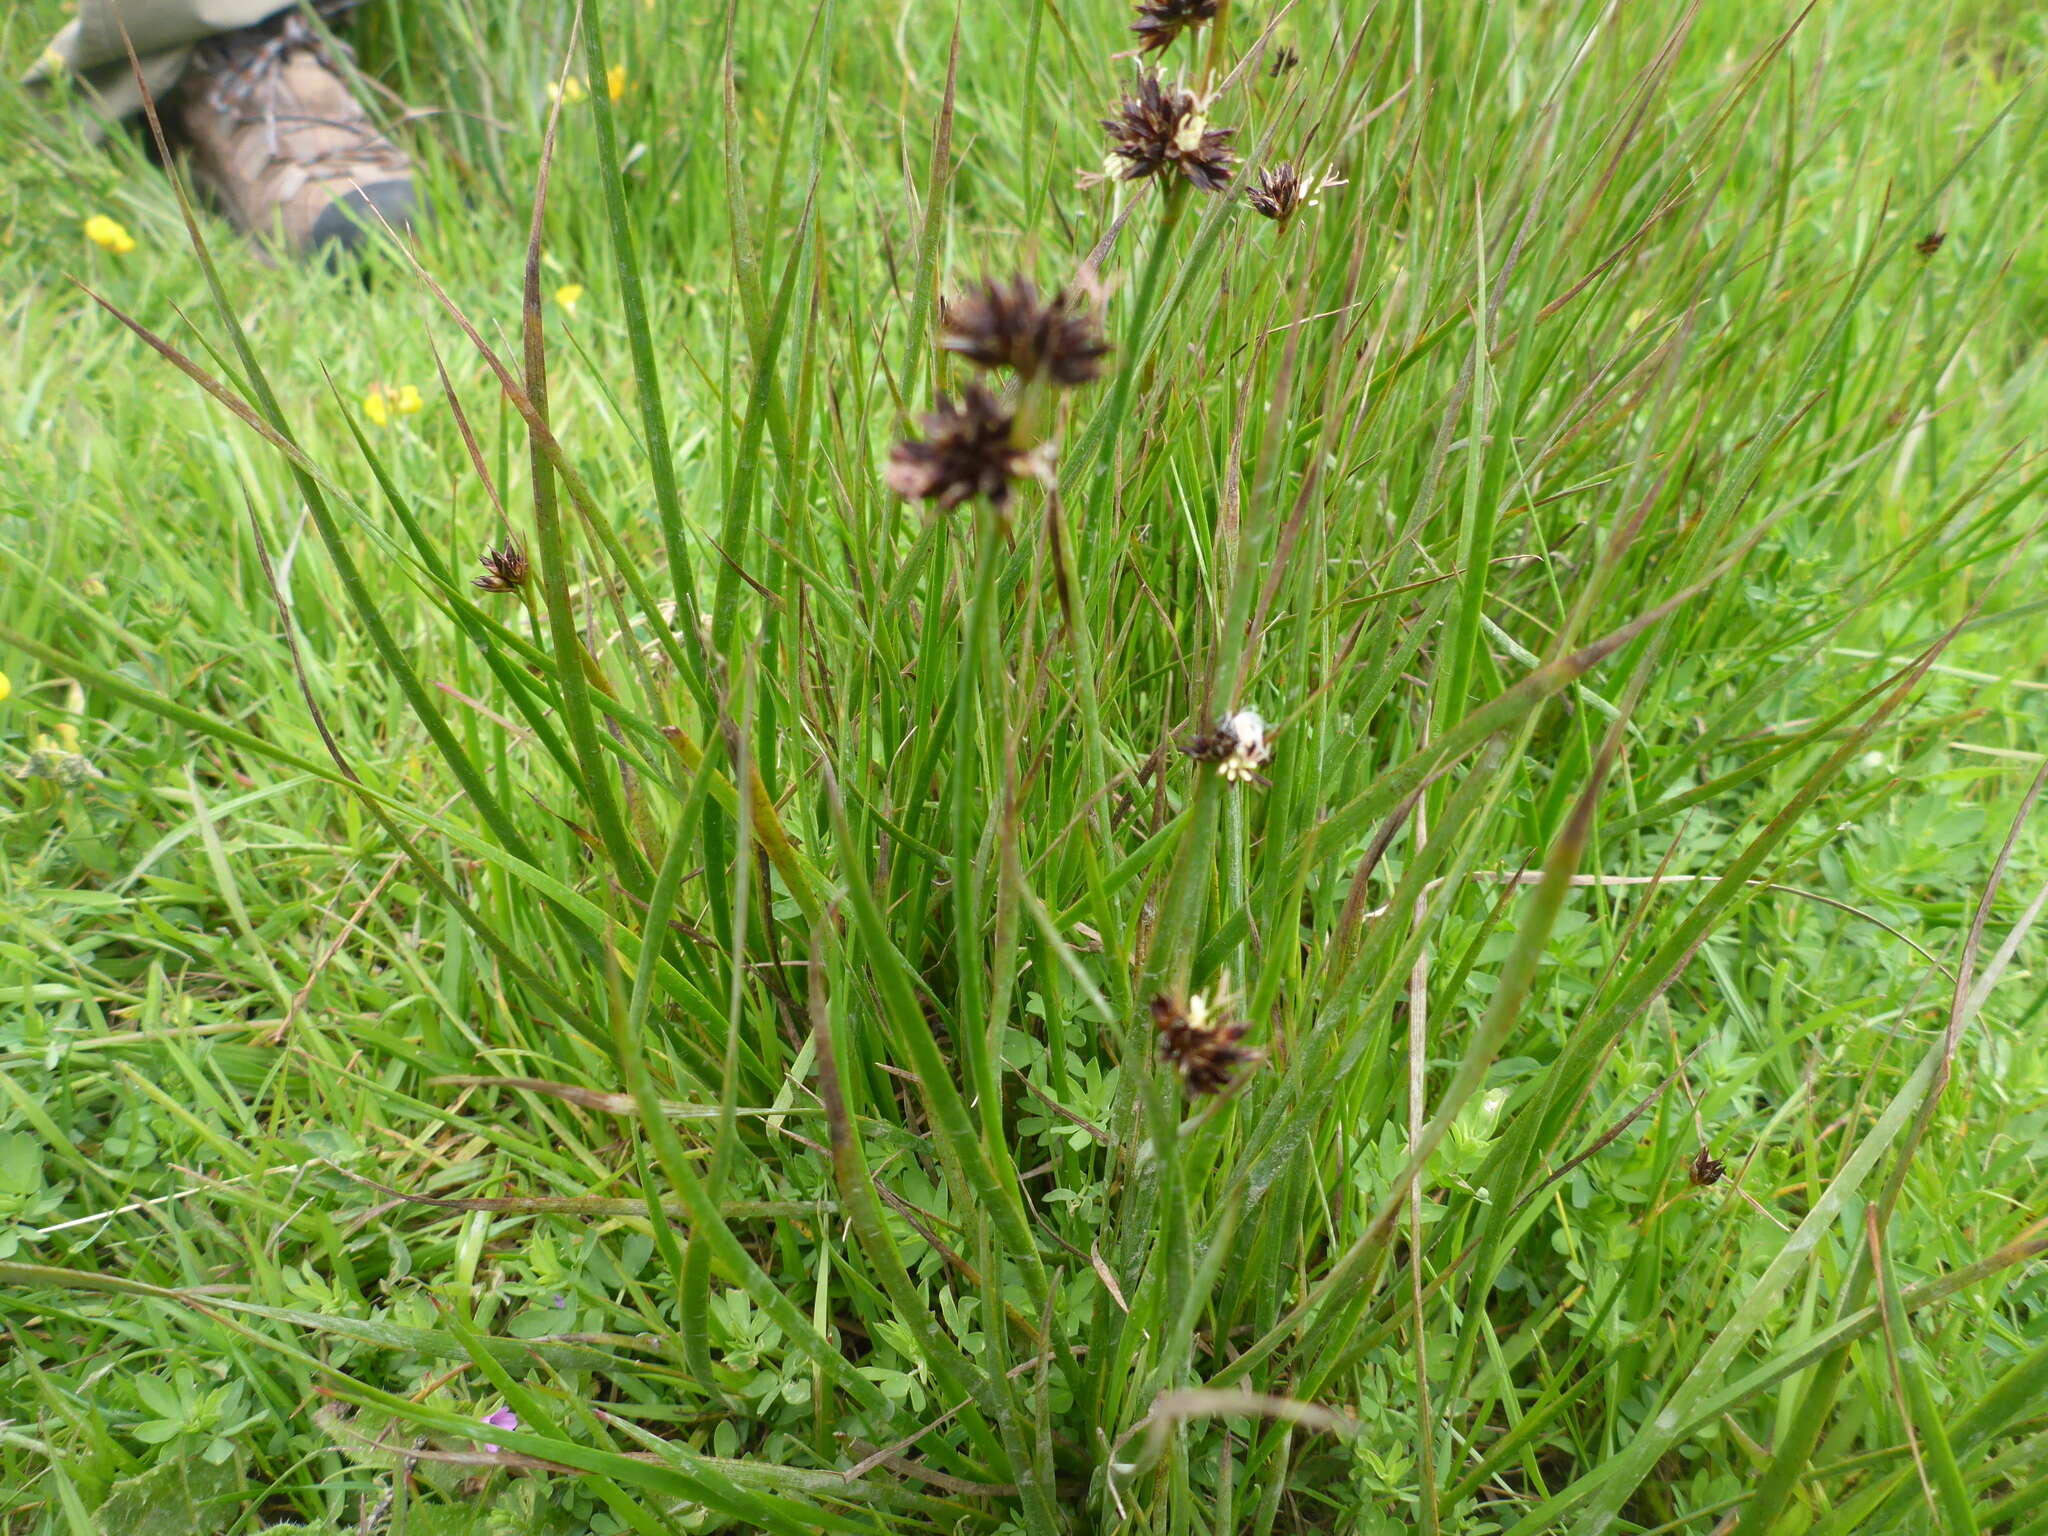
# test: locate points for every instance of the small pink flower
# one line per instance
(504, 1418)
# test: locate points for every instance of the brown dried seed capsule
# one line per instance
(1160, 22)
(1278, 192)
(1007, 325)
(505, 569)
(1162, 128)
(1930, 242)
(1706, 1169)
(1284, 59)
(1204, 1050)
(968, 450)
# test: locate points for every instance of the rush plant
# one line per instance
(1386, 881)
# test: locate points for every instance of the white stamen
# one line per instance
(1245, 733)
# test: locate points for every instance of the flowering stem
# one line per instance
(980, 1037)
(1104, 442)
(1028, 418)
(1094, 769)
(1234, 877)
(1170, 965)
(551, 541)
(1094, 447)
(1213, 68)
(646, 374)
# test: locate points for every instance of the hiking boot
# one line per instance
(292, 157)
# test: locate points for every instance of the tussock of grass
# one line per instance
(700, 1000)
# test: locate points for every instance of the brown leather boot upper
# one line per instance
(279, 138)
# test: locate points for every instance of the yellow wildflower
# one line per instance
(615, 81)
(570, 91)
(6, 688)
(384, 400)
(108, 235)
(568, 294)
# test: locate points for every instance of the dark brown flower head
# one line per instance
(968, 450)
(1284, 59)
(1278, 192)
(1239, 747)
(505, 569)
(1929, 243)
(1162, 129)
(1160, 22)
(1706, 1169)
(1200, 1045)
(1007, 325)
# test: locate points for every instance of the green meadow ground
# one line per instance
(730, 1053)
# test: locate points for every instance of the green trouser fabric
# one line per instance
(91, 52)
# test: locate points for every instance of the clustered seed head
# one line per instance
(1930, 242)
(505, 569)
(1200, 1046)
(1007, 325)
(1284, 59)
(1162, 129)
(969, 449)
(1707, 1169)
(1160, 22)
(1278, 192)
(1238, 747)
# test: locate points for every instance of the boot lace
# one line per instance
(245, 73)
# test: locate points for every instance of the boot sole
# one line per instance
(347, 223)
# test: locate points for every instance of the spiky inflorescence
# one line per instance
(1278, 192)
(1162, 128)
(1160, 22)
(1007, 325)
(505, 569)
(969, 449)
(1203, 1050)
